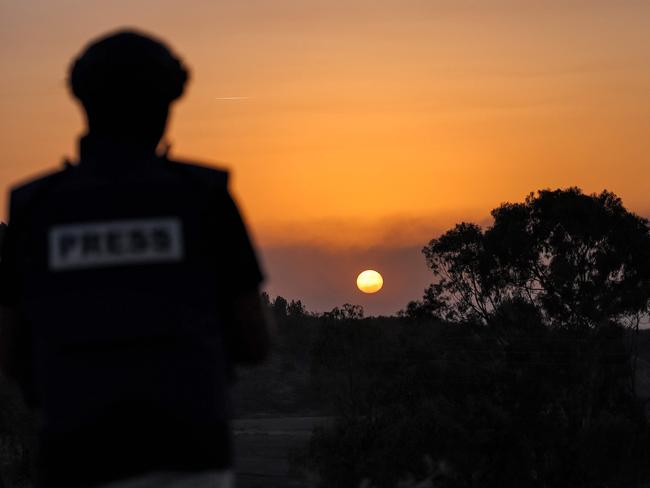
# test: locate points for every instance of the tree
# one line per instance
(580, 260)
(296, 309)
(346, 312)
(279, 307)
(265, 299)
(296, 327)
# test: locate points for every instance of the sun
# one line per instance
(370, 281)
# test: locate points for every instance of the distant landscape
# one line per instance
(395, 391)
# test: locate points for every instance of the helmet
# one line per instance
(127, 65)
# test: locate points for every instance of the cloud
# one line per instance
(358, 234)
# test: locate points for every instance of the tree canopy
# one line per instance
(579, 260)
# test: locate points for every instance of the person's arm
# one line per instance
(247, 324)
(249, 329)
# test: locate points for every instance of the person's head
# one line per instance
(126, 82)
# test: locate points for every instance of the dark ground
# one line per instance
(264, 447)
(274, 416)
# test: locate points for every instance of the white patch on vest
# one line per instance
(115, 243)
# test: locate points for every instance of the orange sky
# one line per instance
(368, 126)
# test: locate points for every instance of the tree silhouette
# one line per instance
(347, 311)
(279, 307)
(296, 309)
(580, 260)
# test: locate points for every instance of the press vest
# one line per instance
(121, 286)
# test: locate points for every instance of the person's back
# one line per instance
(134, 282)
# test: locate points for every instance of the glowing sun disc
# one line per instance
(370, 281)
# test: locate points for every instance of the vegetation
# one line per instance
(477, 406)
(513, 369)
(579, 260)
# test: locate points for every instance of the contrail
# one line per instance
(232, 98)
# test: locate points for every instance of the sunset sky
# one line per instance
(360, 129)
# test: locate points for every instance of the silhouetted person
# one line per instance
(129, 288)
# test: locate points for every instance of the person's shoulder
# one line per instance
(29, 188)
(205, 173)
